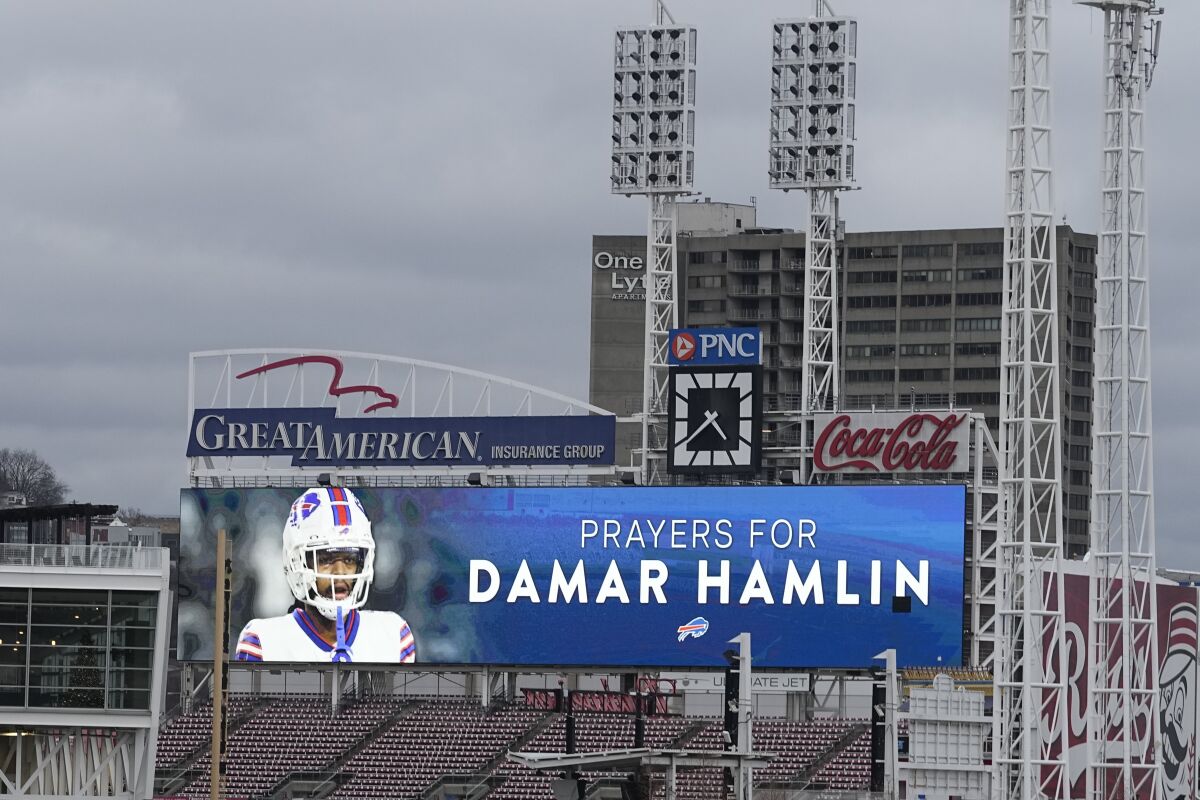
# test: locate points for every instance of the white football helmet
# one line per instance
(328, 518)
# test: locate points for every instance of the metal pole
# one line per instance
(1124, 719)
(745, 774)
(1029, 732)
(891, 773)
(217, 746)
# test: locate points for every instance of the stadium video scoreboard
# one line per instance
(821, 576)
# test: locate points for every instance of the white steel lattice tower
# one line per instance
(654, 100)
(1123, 664)
(1029, 719)
(812, 132)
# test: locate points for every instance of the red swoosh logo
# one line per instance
(387, 399)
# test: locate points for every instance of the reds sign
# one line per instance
(891, 442)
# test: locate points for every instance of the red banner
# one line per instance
(1176, 680)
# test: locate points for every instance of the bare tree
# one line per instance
(24, 471)
(132, 515)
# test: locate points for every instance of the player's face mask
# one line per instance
(337, 570)
(328, 551)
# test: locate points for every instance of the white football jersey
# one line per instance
(370, 637)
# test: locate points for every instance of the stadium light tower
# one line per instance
(1123, 723)
(812, 132)
(1030, 654)
(653, 121)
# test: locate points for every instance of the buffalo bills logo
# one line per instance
(696, 628)
(303, 508)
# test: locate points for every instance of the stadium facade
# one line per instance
(919, 314)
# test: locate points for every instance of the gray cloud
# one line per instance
(188, 178)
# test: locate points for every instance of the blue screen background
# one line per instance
(432, 535)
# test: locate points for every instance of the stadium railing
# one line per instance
(83, 556)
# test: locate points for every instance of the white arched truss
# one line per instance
(365, 385)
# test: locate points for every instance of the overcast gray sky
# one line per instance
(189, 177)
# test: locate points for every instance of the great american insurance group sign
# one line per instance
(344, 421)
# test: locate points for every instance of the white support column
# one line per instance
(891, 752)
(985, 534)
(662, 314)
(653, 126)
(813, 88)
(819, 371)
(1029, 722)
(1123, 663)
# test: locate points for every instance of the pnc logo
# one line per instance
(684, 346)
(708, 346)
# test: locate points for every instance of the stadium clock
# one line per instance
(715, 420)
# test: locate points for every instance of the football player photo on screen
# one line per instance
(328, 562)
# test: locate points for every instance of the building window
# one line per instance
(924, 349)
(869, 376)
(870, 351)
(977, 398)
(85, 648)
(707, 257)
(1081, 379)
(973, 324)
(980, 274)
(869, 253)
(1085, 255)
(872, 276)
(1080, 452)
(1082, 329)
(977, 373)
(981, 249)
(1081, 427)
(872, 301)
(926, 251)
(1081, 403)
(1077, 502)
(871, 326)
(979, 298)
(1084, 305)
(922, 374)
(1077, 527)
(1081, 353)
(977, 348)
(924, 325)
(926, 300)
(1079, 477)
(705, 306)
(706, 281)
(926, 275)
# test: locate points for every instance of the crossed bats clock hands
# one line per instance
(710, 418)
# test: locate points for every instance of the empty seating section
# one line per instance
(187, 733)
(850, 769)
(704, 783)
(797, 745)
(393, 747)
(434, 740)
(292, 734)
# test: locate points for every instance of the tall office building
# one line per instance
(920, 325)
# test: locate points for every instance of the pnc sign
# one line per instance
(894, 442)
(706, 347)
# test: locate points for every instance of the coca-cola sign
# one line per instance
(892, 442)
